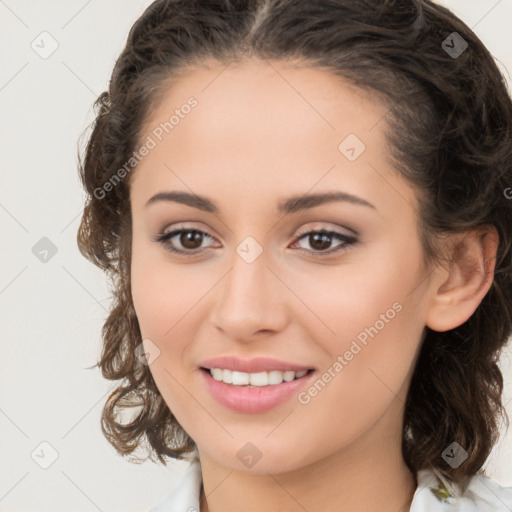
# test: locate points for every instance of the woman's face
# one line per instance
(351, 306)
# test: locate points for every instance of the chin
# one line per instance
(260, 458)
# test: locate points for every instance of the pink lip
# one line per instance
(253, 400)
(258, 364)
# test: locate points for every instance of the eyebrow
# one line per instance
(290, 205)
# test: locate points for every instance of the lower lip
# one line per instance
(253, 399)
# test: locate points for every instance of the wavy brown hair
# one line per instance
(449, 130)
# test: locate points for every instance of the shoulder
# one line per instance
(184, 496)
(482, 494)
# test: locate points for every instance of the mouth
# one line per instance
(256, 379)
(255, 392)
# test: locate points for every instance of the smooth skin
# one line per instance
(263, 131)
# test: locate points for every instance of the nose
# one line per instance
(250, 300)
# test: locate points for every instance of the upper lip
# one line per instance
(258, 364)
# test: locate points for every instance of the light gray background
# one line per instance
(52, 312)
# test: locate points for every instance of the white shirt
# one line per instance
(433, 494)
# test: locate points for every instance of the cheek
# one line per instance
(376, 328)
(348, 299)
(167, 301)
(154, 312)
(361, 381)
(163, 311)
(162, 293)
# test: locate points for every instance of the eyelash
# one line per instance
(347, 240)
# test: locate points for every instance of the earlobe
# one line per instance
(461, 287)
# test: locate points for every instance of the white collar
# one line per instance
(482, 494)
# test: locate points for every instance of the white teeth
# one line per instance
(259, 379)
(275, 377)
(288, 376)
(216, 373)
(239, 378)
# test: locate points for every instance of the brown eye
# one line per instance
(189, 241)
(321, 241)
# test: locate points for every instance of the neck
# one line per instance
(364, 478)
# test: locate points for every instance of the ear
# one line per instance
(458, 289)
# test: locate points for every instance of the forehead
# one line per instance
(267, 94)
(266, 125)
